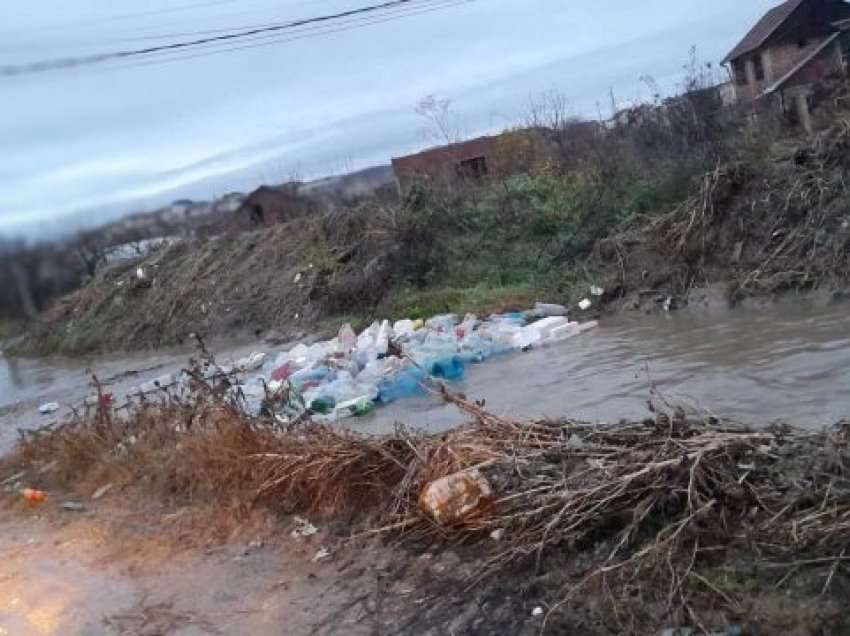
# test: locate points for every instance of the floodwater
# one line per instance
(785, 362)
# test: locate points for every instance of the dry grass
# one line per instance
(765, 226)
(655, 509)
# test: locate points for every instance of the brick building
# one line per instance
(269, 205)
(471, 160)
(792, 47)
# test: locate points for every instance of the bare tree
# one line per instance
(443, 123)
(571, 137)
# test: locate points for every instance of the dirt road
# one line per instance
(75, 574)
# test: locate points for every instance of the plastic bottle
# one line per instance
(403, 327)
(517, 318)
(322, 405)
(302, 376)
(284, 371)
(442, 323)
(347, 339)
(543, 310)
(448, 368)
(357, 407)
(403, 384)
(382, 340)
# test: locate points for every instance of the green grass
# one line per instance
(481, 300)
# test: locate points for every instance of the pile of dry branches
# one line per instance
(772, 223)
(654, 512)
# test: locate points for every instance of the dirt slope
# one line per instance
(280, 279)
(771, 224)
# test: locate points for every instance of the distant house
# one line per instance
(790, 49)
(268, 205)
(471, 160)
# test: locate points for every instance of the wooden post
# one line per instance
(802, 104)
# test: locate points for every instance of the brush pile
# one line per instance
(776, 222)
(674, 520)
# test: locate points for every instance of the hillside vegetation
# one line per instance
(679, 195)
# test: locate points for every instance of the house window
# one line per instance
(740, 73)
(472, 168)
(759, 68)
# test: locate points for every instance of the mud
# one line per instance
(108, 572)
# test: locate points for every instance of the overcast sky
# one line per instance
(86, 144)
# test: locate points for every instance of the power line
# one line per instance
(55, 64)
(245, 27)
(148, 32)
(270, 40)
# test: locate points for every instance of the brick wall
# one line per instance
(503, 154)
(783, 57)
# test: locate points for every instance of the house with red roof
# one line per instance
(791, 48)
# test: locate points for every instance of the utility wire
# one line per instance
(54, 64)
(269, 40)
(251, 27)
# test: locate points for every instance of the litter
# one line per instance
(456, 497)
(323, 553)
(349, 375)
(596, 291)
(537, 611)
(47, 409)
(585, 304)
(252, 362)
(303, 528)
(33, 496)
(73, 506)
(100, 492)
(544, 310)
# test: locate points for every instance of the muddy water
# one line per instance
(789, 361)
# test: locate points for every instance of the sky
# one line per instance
(84, 145)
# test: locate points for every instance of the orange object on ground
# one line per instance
(456, 497)
(33, 496)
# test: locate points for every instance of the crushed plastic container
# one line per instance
(517, 318)
(322, 405)
(47, 409)
(302, 376)
(457, 497)
(251, 362)
(447, 368)
(403, 384)
(544, 310)
(284, 371)
(346, 338)
(357, 407)
(442, 323)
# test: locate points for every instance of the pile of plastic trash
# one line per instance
(353, 373)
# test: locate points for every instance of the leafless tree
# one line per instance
(571, 137)
(443, 124)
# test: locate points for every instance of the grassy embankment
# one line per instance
(671, 201)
